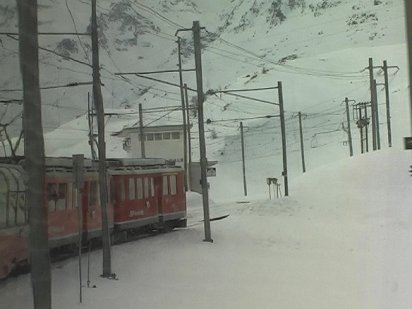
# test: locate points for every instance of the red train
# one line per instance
(143, 193)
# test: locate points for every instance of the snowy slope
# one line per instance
(340, 241)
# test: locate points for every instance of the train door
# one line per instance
(62, 216)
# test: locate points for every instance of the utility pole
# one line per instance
(283, 129)
(388, 110)
(377, 130)
(34, 153)
(90, 122)
(183, 110)
(189, 139)
(360, 127)
(348, 123)
(78, 172)
(373, 103)
(141, 133)
(202, 142)
(365, 108)
(302, 149)
(98, 101)
(243, 159)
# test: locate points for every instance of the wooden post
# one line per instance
(360, 126)
(34, 153)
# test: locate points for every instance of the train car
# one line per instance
(146, 193)
(143, 193)
(63, 209)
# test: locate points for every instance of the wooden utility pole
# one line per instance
(388, 109)
(189, 140)
(98, 101)
(183, 110)
(348, 124)
(243, 159)
(34, 153)
(141, 133)
(90, 122)
(283, 129)
(202, 142)
(302, 149)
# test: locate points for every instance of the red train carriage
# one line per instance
(61, 199)
(146, 192)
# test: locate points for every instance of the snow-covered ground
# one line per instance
(341, 240)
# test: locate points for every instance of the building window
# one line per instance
(158, 136)
(166, 135)
(175, 135)
(149, 137)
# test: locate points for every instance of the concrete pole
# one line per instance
(98, 101)
(388, 110)
(183, 110)
(373, 103)
(283, 129)
(202, 142)
(141, 133)
(348, 124)
(34, 154)
(189, 142)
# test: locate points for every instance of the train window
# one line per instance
(3, 210)
(152, 187)
(132, 189)
(165, 186)
(51, 196)
(61, 200)
(175, 135)
(21, 214)
(74, 199)
(146, 187)
(173, 188)
(139, 188)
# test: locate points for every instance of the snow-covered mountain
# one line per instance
(318, 49)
